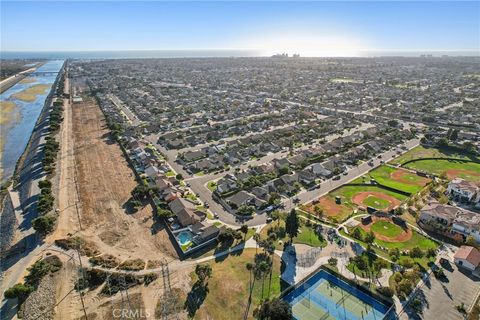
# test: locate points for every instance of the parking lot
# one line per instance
(441, 297)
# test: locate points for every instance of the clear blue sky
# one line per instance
(321, 27)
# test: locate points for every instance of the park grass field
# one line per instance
(306, 235)
(30, 93)
(469, 171)
(386, 228)
(396, 178)
(421, 152)
(228, 287)
(410, 239)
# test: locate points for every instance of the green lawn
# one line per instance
(211, 185)
(383, 175)
(170, 173)
(420, 152)
(375, 202)
(469, 171)
(386, 228)
(228, 287)
(306, 235)
(347, 192)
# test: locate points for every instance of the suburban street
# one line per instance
(198, 183)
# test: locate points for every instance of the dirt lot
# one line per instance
(94, 176)
(105, 182)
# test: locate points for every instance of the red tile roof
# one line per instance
(470, 254)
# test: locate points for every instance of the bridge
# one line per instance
(43, 73)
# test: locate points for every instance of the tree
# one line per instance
(275, 309)
(19, 291)
(203, 272)
(443, 142)
(332, 261)
(386, 291)
(392, 123)
(44, 224)
(431, 253)
(164, 213)
(274, 198)
(357, 234)
(292, 224)
(416, 253)
(370, 237)
(283, 170)
(394, 254)
(244, 230)
(179, 176)
(227, 235)
(246, 210)
(470, 241)
(318, 211)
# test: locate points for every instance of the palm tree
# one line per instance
(263, 269)
(256, 237)
(253, 270)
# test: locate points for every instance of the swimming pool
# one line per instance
(325, 296)
(184, 237)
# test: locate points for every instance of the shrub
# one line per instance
(149, 278)
(19, 291)
(44, 224)
(332, 261)
(386, 291)
(407, 263)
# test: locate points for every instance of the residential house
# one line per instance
(463, 190)
(226, 185)
(467, 257)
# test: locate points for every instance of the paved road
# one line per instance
(355, 172)
(223, 140)
(121, 106)
(198, 183)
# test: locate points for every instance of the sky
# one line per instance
(309, 28)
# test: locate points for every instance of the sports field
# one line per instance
(326, 297)
(353, 197)
(421, 152)
(397, 178)
(453, 169)
(390, 235)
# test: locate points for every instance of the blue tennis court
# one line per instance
(326, 297)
